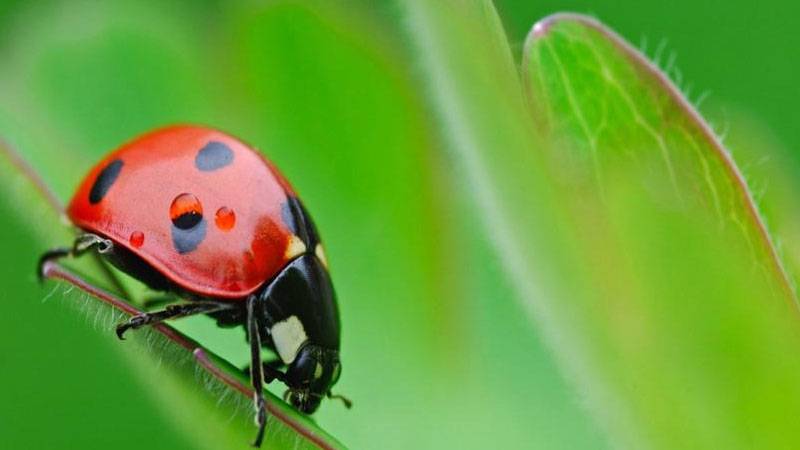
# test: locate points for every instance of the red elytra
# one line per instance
(136, 194)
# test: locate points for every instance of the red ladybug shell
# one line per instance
(242, 240)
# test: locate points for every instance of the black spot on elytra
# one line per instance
(298, 221)
(186, 240)
(215, 155)
(105, 179)
(187, 220)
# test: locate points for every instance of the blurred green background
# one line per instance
(436, 353)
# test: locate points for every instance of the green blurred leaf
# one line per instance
(693, 322)
(473, 85)
(671, 320)
(628, 232)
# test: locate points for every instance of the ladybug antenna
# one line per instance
(347, 402)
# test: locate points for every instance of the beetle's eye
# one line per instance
(185, 211)
(337, 372)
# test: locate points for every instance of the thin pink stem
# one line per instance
(27, 171)
(52, 269)
(234, 383)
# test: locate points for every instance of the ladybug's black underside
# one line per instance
(303, 289)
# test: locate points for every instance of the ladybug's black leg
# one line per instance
(87, 241)
(171, 312)
(271, 371)
(52, 254)
(255, 370)
(82, 244)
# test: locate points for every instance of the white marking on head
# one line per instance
(296, 247)
(320, 252)
(288, 336)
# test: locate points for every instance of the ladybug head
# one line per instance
(311, 376)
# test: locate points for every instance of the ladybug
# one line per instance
(197, 213)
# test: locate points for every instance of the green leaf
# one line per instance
(472, 84)
(665, 319)
(693, 322)
(631, 238)
(769, 169)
